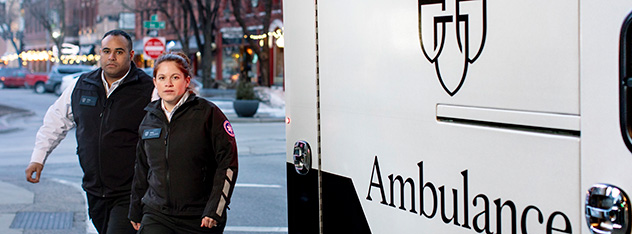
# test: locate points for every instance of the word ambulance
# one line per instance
(483, 216)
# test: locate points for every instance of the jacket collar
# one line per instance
(94, 77)
(156, 108)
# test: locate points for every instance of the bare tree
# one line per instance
(11, 28)
(51, 14)
(245, 13)
(207, 13)
(163, 6)
(198, 21)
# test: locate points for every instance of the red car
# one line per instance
(13, 77)
(36, 81)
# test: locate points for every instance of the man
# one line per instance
(106, 106)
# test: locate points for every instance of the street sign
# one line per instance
(153, 47)
(154, 24)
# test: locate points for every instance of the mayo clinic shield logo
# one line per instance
(452, 35)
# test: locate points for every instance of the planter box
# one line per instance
(246, 108)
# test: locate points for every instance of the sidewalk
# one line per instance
(273, 110)
(15, 196)
(7, 113)
(51, 207)
(264, 114)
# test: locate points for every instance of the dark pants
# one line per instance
(109, 215)
(155, 222)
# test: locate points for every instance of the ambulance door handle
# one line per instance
(302, 157)
(625, 81)
(607, 210)
(628, 82)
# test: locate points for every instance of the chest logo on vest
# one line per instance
(229, 128)
(88, 101)
(151, 133)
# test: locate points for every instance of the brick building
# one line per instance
(87, 21)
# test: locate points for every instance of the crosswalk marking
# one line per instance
(255, 229)
(258, 185)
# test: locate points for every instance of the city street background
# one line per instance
(258, 203)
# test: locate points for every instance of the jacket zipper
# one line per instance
(105, 108)
(159, 113)
(167, 165)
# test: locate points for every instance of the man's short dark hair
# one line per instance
(117, 32)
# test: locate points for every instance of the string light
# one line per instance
(47, 55)
(42, 55)
(278, 33)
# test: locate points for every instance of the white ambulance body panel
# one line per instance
(302, 49)
(604, 156)
(517, 113)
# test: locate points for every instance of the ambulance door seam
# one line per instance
(518, 120)
(320, 171)
(509, 126)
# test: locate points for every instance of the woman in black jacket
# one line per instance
(186, 163)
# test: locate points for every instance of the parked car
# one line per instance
(68, 80)
(36, 81)
(13, 76)
(58, 71)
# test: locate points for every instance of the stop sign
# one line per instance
(153, 46)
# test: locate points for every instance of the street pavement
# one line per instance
(55, 201)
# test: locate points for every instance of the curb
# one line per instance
(236, 119)
(5, 126)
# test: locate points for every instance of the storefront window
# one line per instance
(230, 64)
(278, 67)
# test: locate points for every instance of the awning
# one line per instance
(178, 46)
(237, 32)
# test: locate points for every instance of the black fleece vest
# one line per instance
(107, 130)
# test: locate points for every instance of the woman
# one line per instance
(186, 163)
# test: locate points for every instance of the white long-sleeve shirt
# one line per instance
(169, 114)
(59, 119)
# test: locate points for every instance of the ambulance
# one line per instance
(458, 116)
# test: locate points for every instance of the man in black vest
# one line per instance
(106, 106)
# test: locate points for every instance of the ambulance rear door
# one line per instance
(606, 109)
